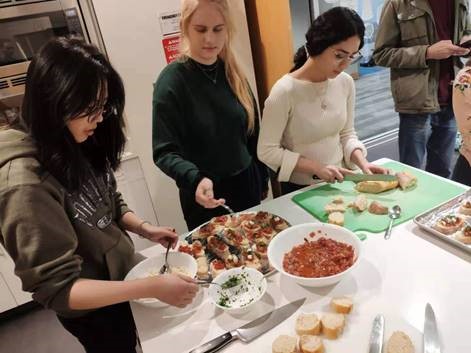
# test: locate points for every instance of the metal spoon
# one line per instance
(394, 213)
(165, 267)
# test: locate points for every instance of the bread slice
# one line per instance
(342, 305)
(308, 324)
(284, 344)
(338, 200)
(377, 208)
(464, 235)
(202, 267)
(311, 344)
(359, 204)
(399, 342)
(337, 218)
(332, 325)
(406, 180)
(334, 207)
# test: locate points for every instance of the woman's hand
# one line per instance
(204, 194)
(331, 173)
(174, 289)
(370, 168)
(162, 235)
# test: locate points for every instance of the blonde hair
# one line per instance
(235, 76)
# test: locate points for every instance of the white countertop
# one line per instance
(395, 277)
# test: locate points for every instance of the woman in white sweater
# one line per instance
(307, 130)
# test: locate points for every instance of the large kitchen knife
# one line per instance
(377, 335)
(370, 177)
(431, 340)
(251, 330)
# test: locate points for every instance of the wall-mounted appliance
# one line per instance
(26, 25)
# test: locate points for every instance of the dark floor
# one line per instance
(36, 331)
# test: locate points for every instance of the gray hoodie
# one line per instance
(56, 237)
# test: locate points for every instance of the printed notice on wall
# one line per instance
(170, 22)
(171, 46)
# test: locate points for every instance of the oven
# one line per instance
(25, 25)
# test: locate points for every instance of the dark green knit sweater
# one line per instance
(199, 127)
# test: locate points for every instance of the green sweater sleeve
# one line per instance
(41, 241)
(168, 134)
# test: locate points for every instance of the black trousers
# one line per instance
(240, 191)
(462, 171)
(287, 187)
(108, 329)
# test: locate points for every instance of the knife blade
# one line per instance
(370, 177)
(377, 335)
(431, 339)
(251, 330)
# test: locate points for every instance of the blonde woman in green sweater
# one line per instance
(205, 120)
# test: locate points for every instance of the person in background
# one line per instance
(61, 218)
(308, 121)
(419, 40)
(462, 110)
(205, 120)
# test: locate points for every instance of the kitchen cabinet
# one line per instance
(11, 294)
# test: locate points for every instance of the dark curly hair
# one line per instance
(66, 79)
(332, 27)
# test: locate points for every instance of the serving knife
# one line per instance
(431, 339)
(377, 335)
(370, 177)
(253, 329)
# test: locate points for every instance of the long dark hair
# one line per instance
(69, 78)
(332, 27)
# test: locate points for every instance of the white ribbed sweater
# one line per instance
(311, 119)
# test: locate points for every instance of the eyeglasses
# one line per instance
(342, 57)
(106, 112)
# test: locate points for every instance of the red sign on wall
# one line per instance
(171, 46)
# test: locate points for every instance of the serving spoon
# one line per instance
(393, 213)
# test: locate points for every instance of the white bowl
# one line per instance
(151, 267)
(284, 242)
(252, 287)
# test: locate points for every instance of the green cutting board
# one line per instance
(429, 192)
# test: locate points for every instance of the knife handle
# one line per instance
(215, 344)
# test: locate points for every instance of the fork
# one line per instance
(165, 267)
(228, 209)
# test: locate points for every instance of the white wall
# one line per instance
(132, 36)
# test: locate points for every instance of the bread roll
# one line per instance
(311, 344)
(399, 342)
(342, 305)
(332, 325)
(284, 344)
(375, 187)
(337, 218)
(308, 324)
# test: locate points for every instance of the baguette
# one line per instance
(399, 342)
(375, 187)
(332, 325)
(311, 344)
(284, 344)
(342, 305)
(308, 324)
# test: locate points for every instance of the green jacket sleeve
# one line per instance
(39, 237)
(168, 136)
(389, 51)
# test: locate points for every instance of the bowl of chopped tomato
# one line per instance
(315, 254)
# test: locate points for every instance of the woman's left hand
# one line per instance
(162, 235)
(370, 168)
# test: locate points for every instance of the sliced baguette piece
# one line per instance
(334, 207)
(399, 342)
(337, 218)
(342, 305)
(311, 344)
(308, 324)
(284, 344)
(332, 325)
